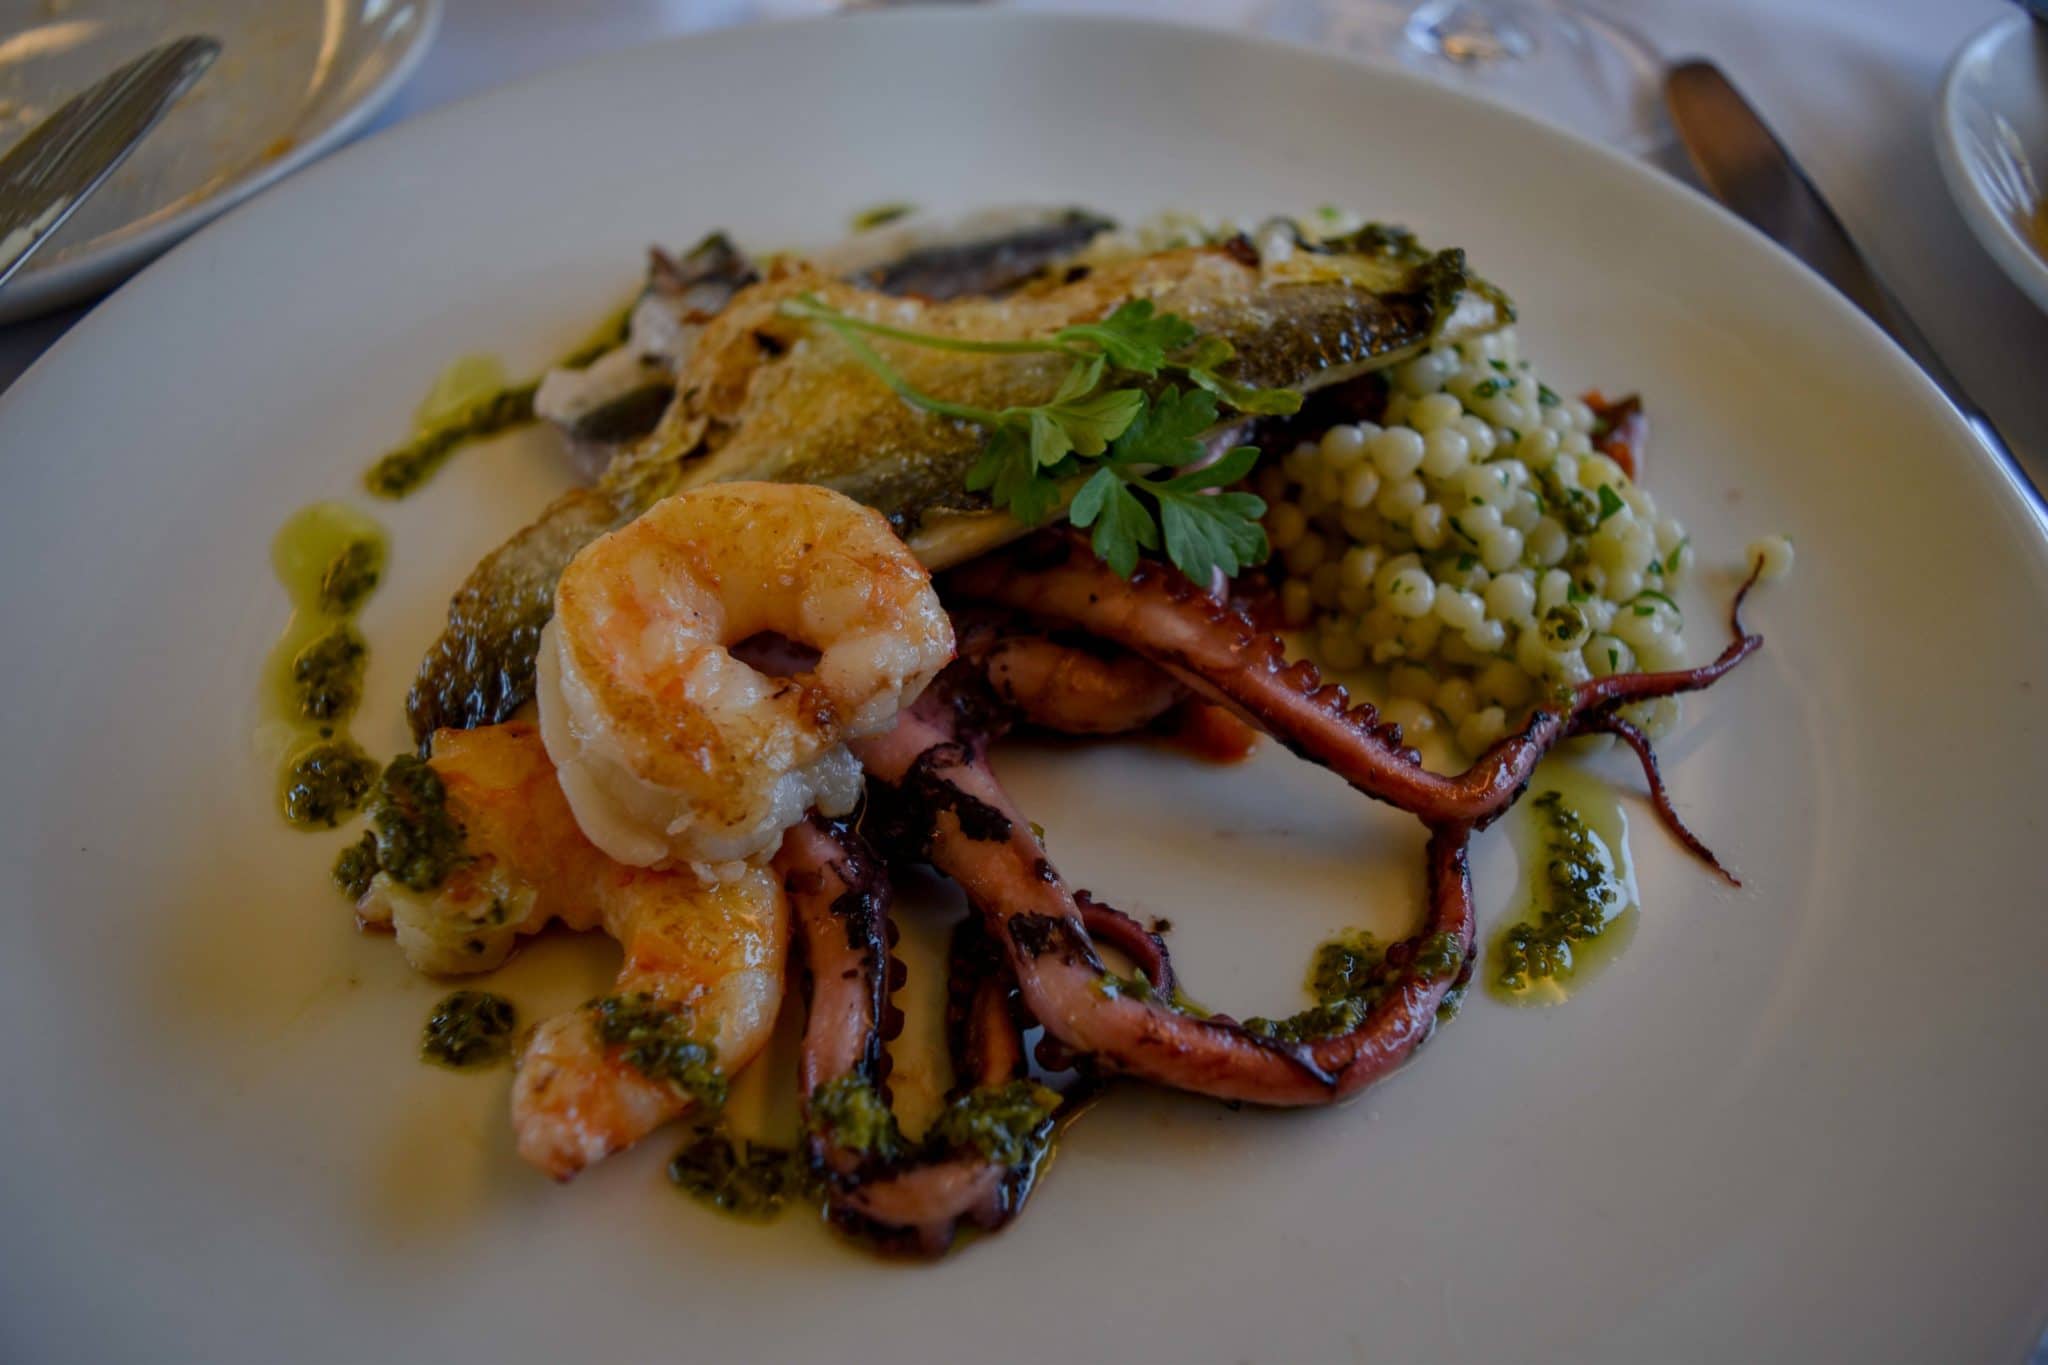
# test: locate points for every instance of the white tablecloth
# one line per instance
(1849, 85)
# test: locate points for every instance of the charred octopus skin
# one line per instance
(931, 775)
(1213, 648)
(905, 1198)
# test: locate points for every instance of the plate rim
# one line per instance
(36, 292)
(2021, 263)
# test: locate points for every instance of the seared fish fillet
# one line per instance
(762, 396)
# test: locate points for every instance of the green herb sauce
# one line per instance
(656, 1041)
(1582, 899)
(1008, 1124)
(355, 866)
(325, 781)
(403, 469)
(868, 219)
(469, 1028)
(747, 1179)
(417, 840)
(1350, 974)
(329, 558)
(351, 576)
(851, 1113)
(472, 401)
(328, 674)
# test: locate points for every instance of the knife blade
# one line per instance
(1744, 165)
(49, 173)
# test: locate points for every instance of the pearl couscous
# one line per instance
(1476, 548)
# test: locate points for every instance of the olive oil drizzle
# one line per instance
(1582, 906)
(330, 557)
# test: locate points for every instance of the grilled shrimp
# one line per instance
(703, 973)
(670, 748)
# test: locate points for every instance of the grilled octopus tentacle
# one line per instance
(1144, 947)
(1075, 687)
(1606, 722)
(934, 772)
(1212, 648)
(914, 1206)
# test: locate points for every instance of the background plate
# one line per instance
(1800, 1121)
(1991, 137)
(294, 79)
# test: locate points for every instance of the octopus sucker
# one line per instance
(878, 1187)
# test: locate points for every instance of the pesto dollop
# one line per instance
(351, 576)
(325, 781)
(328, 557)
(1350, 974)
(1580, 901)
(328, 674)
(1577, 899)
(748, 1179)
(469, 1028)
(656, 1041)
(1345, 966)
(849, 1112)
(418, 841)
(1007, 1124)
(355, 866)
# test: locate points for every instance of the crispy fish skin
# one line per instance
(764, 396)
(992, 263)
(772, 398)
(480, 670)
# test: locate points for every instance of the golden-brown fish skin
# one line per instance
(769, 397)
(480, 670)
(764, 396)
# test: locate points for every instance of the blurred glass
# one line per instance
(1555, 59)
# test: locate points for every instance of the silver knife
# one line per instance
(48, 174)
(1749, 170)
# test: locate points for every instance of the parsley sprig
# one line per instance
(1126, 454)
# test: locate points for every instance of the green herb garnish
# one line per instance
(868, 219)
(1034, 456)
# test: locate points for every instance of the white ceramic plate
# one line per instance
(1991, 137)
(1802, 1121)
(295, 79)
